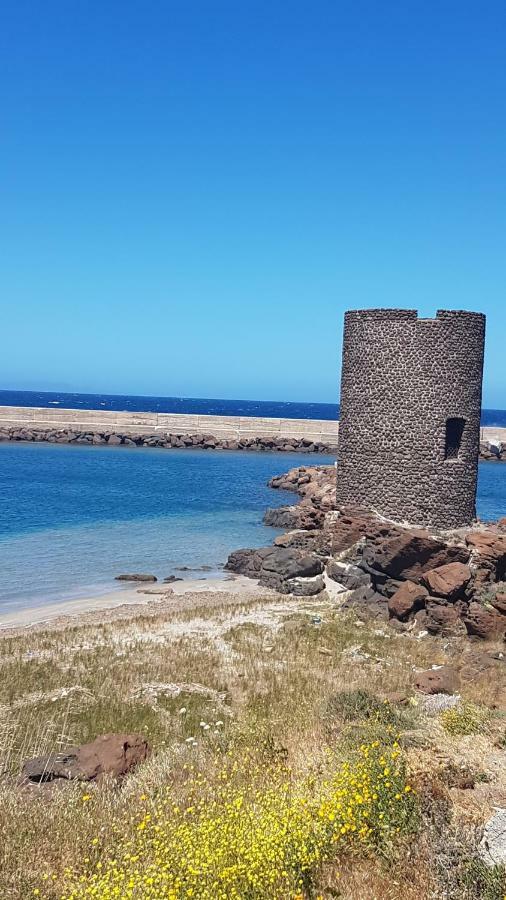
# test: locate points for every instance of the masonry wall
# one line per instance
(403, 378)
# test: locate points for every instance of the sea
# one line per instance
(130, 403)
(73, 517)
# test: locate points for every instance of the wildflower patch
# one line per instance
(246, 832)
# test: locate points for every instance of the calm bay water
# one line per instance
(73, 517)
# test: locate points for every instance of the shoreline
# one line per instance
(128, 600)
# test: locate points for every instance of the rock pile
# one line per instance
(450, 584)
(166, 440)
(493, 450)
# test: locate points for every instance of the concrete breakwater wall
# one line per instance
(19, 423)
(166, 429)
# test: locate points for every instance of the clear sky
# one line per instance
(193, 191)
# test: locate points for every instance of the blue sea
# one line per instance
(73, 517)
(131, 403)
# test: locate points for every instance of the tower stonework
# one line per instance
(409, 427)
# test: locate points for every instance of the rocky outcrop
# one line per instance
(410, 553)
(284, 569)
(109, 754)
(450, 585)
(316, 486)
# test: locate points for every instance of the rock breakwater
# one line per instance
(166, 440)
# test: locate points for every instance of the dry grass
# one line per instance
(273, 674)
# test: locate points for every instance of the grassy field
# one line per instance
(282, 766)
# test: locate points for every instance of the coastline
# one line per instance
(130, 601)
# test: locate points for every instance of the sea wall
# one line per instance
(166, 429)
(19, 423)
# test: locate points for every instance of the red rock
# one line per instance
(499, 603)
(448, 581)
(443, 680)
(484, 622)
(410, 553)
(109, 754)
(349, 528)
(443, 618)
(488, 555)
(408, 598)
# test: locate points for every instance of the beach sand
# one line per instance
(124, 600)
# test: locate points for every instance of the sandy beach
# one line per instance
(115, 604)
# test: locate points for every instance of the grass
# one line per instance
(259, 690)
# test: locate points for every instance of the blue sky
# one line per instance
(193, 192)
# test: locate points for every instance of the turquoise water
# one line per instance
(73, 517)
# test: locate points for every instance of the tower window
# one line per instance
(454, 432)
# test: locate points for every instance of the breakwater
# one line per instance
(19, 423)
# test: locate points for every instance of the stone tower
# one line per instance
(409, 428)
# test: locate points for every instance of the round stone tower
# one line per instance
(409, 428)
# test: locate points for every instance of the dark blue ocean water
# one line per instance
(73, 517)
(129, 403)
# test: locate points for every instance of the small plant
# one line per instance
(359, 706)
(466, 718)
(483, 883)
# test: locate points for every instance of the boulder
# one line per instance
(408, 554)
(305, 587)
(443, 618)
(348, 575)
(288, 563)
(484, 622)
(492, 848)
(114, 439)
(443, 680)
(348, 528)
(274, 567)
(299, 516)
(488, 555)
(135, 576)
(499, 603)
(247, 561)
(407, 599)
(449, 581)
(109, 754)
